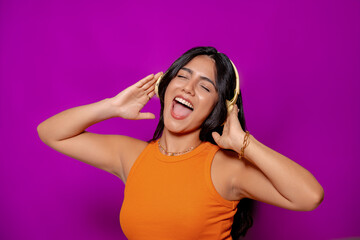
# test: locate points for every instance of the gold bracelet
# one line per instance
(245, 144)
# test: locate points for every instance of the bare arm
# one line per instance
(267, 175)
(66, 131)
(276, 179)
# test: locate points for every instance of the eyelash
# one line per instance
(205, 88)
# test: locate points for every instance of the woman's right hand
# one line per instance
(128, 103)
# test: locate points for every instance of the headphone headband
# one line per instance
(230, 104)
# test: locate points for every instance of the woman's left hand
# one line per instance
(233, 134)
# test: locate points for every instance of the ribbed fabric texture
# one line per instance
(173, 198)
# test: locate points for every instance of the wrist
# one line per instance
(105, 109)
(244, 142)
(239, 142)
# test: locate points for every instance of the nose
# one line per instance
(189, 87)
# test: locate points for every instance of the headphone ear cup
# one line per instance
(229, 106)
(157, 86)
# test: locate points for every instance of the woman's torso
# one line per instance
(219, 171)
(183, 195)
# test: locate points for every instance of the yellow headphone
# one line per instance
(229, 103)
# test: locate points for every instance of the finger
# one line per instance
(150, 89)
(226, 130)
(149, 84)
(151, 94)
(145, 115)
(216, 137)
(227, 124)
(234, 113)
(235, 110)
(158, 75)
(141, 83)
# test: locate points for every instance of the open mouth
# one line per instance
(181, 108)
(185, 103)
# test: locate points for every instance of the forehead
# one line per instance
(204, 66)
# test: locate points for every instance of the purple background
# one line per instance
(299, 63)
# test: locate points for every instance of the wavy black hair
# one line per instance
(225, 82)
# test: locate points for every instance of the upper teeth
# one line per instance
(183, 101)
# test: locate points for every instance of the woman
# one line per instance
(187, 182)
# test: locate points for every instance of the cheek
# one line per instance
(167, 93)
(208, 105)
(214, 102)
(209, 101)
(169, 89)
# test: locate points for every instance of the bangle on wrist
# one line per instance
(244, 145)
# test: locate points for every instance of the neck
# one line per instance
(174, 142)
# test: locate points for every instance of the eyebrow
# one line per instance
(202, 77)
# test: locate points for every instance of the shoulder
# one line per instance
(131, 142)
(126, 146)
(130, 147)
(229, 159)
(130, 150)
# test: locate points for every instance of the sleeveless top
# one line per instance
(173, 197)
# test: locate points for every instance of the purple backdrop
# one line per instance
(300, 68)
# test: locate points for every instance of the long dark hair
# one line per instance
(225, 82)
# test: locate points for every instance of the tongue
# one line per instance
(181, 111)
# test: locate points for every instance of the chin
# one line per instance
(179, 127)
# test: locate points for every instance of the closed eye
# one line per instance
(181, 76)
(205, 88)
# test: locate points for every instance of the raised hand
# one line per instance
(130, 101)
(232, 135)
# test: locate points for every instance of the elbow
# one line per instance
(319, 198)
(41, 133)
(313, 201)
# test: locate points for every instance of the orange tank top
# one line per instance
(173, 197)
